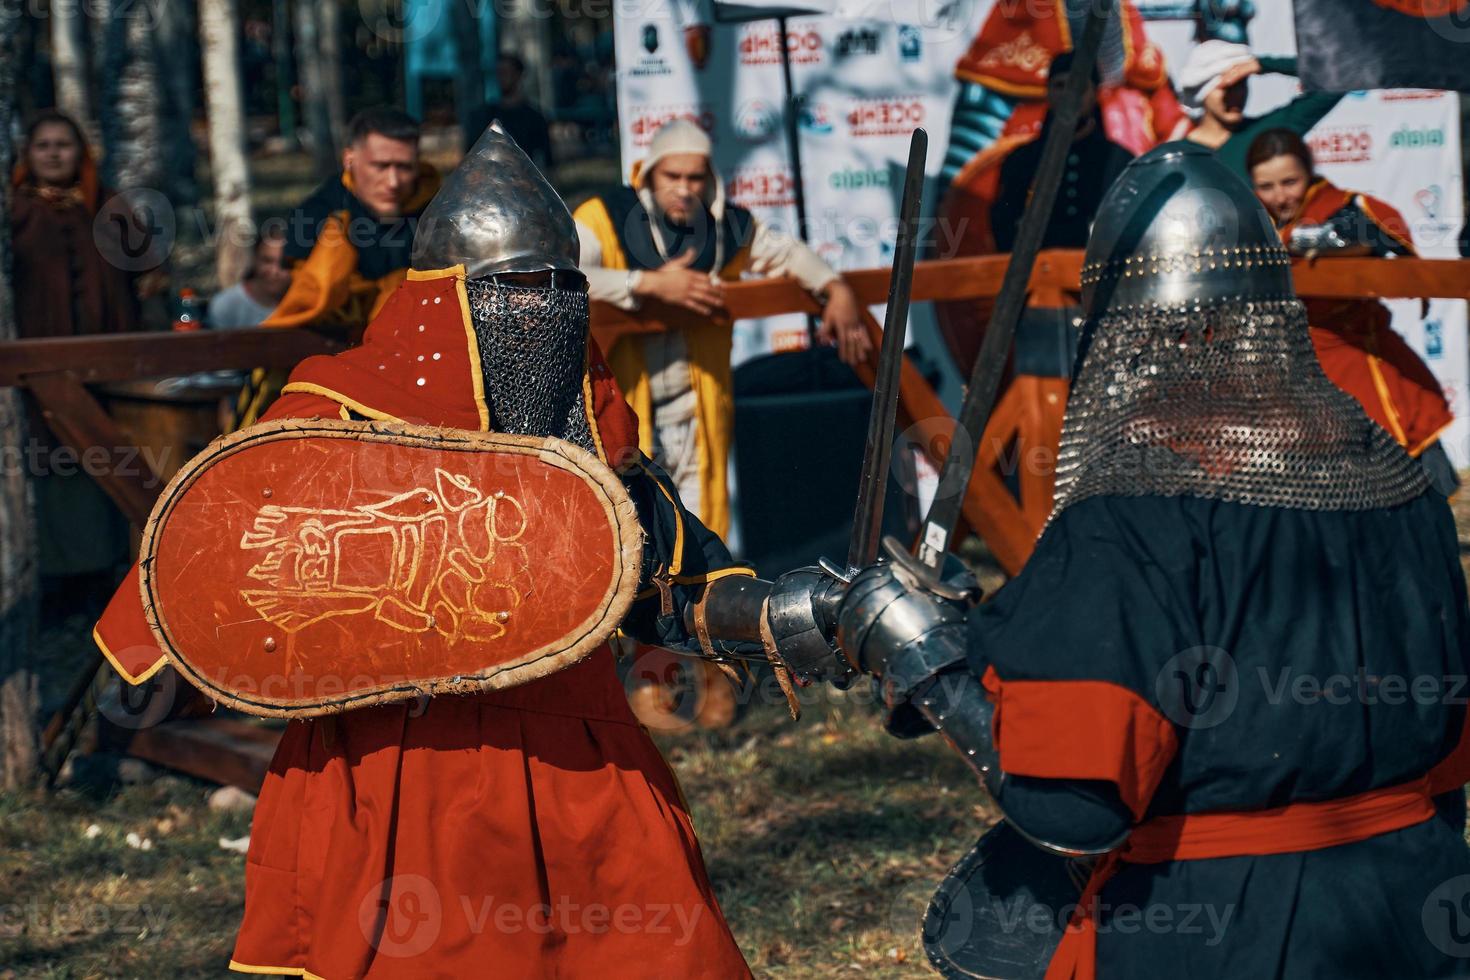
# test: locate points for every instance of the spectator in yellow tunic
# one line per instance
(671, 236)
(348, 244)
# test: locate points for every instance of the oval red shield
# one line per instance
(301, 568)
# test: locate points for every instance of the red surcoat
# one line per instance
(1359, 350)
(531, 832)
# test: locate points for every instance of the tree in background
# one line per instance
(20, 692)
(315, 103)
(176, 57)
(329, 30)
(131, 107)
(223, 97)
(69, 63)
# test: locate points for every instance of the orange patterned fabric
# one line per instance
(1014, 49)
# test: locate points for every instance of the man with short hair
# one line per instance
(671, 235)
(348, 243)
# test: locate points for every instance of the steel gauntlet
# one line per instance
(912, 637)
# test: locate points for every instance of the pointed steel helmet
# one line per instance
(496, 214)
(1177, 229)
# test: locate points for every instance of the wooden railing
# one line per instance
(57, 372)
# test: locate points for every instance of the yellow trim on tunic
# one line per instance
(311, 388)
(117, 666)
(1379, 382)
(274, 971)
(1417, 451)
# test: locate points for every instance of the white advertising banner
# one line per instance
(869, 72)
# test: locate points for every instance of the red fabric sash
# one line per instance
(1196, 836)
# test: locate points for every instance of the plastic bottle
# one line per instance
(191, 311)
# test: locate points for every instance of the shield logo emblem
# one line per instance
(301, 568)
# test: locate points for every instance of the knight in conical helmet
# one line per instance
(1221, 706)
(446, 523)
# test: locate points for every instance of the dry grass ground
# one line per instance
(824, 838)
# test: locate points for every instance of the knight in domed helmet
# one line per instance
(1194, 703)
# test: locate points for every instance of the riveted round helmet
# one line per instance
(1179, 228)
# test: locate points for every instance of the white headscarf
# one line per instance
(1207, 63)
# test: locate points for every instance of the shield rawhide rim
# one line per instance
(606, 506)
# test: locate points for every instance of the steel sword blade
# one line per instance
(959, 462)
(867, 517)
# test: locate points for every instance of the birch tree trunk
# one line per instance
(131, 107)
(69, 62)
(329, 24)
(175, 42)
(223, 98)
(314, 90)
(20, 691)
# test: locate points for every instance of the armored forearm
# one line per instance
(794, 618)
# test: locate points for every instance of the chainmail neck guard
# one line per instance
(533, 357)
(1224, 401)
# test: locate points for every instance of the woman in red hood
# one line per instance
(1357, 347)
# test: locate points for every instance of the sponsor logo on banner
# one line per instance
(895, 116)
(1433, 340)
(786, 341)
(757, 121)
(1341, 144)
(815, 118)
(1433, 228)
(1411, 95)
(645, 120)
(761, 187)
(856, 41)
(1429, 200)
(651, 64)
(759, 45)
(858, 180)
(1416, 137)
(910, 43)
